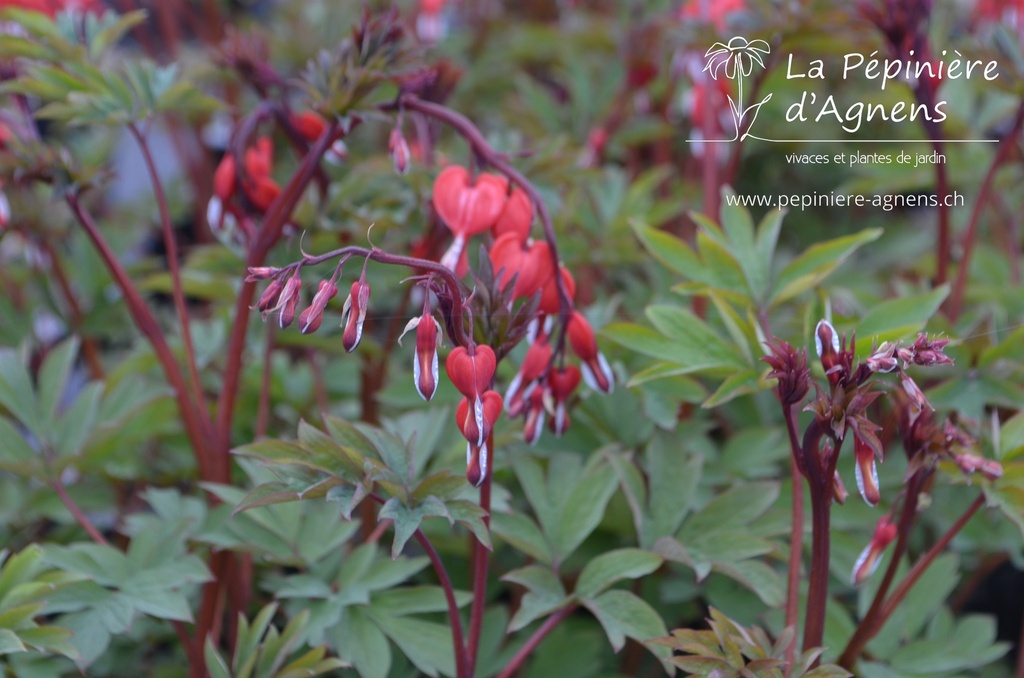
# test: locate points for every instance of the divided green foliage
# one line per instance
(352, 462)
(262, 651)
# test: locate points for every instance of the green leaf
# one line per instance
(818, 262)
(739, 229)
(16, 391)
(470, 515)
(358, 640)
(215, 664)
(899, 318)
(407, 520)
(13, 446)
(545, 594)
(584, 510)
(734, 386)
(612, 566)
(523, 534)
(669, 250)
(10, 642)
(1011, 438)
(53, 376)
(428, 645)
(625, 615)
(673, 480)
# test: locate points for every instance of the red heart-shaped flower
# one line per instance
(516, 217)
(466, 207)
(471, 374)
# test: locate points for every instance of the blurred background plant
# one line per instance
(152, 152)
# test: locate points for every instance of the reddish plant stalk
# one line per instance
(796, 534)
(871, 624)
(147, 324)
(928, 558)
(819, 476)
(79, 515)
(959, 285)
(534, 640)
(462, 667)
(481, 559)
(174, 267)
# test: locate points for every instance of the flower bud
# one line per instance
(477, 463)
(535, 364)
(918, 402)
(257, 273)
(562, 383)
(866, 472)
(871, 556)
(269, 299)
(970, 464)
(354, 314)
(826, 343)
(476, 421)
(535, 415)
(310, 319)
(224, 178)
(424, 366)
(399, 150)
(596, 370)
(883, 359)
(839, 492)
(289, 300)
(309, 125)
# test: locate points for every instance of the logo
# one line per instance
(735, 61)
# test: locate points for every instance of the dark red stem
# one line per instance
(796, 533)
(481, 558)
(533, 641)
(959, 285)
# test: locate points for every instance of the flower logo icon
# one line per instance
(736, 60)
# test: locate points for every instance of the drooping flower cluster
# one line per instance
(524, 269)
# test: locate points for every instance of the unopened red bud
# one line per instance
(289, 300)
(224, 178)
(871, 556)
(311, 318)
(270, 296)
(309, 125)
(596, 370)
(839, 489)
(867, 474)
(354, 314)
(535, 415)
(257, 273)
(262, 191)
(399, 150)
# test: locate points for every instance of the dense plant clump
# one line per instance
(628, 464)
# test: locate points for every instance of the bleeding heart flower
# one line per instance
(826, 342)
(424, 366)
(259, 158)
(478, 463)
(476, 421)
(871, 556)
(531, 265)
(261, 192)
(596, 370)
(309, 125)
(867, 474)
(466, 208)
(536, 412)
(516, 217)
(224, 177)
(471, 372)
(562, 383)
(310, 319)
(354, 314)
(535, 365)
(286, 300)
(549, 302)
